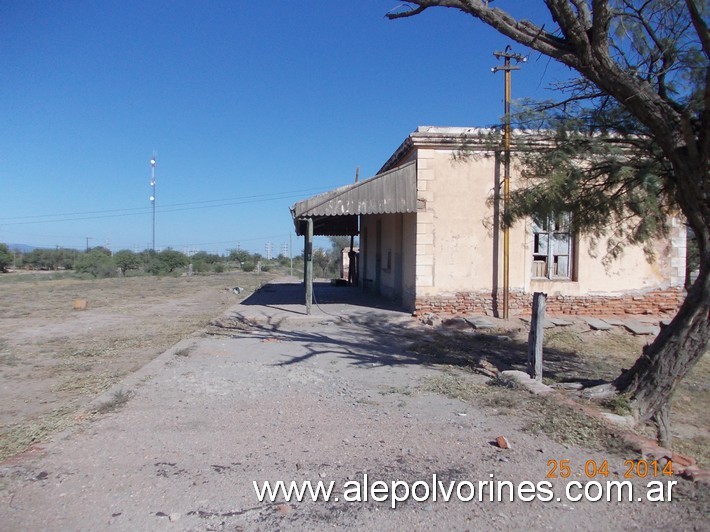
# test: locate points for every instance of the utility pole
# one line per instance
(152, 195)
(507, 55)
(87, 242)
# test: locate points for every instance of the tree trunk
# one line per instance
(652, 380)
(583, 43)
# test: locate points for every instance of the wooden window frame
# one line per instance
(553, 249)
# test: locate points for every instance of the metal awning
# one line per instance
(335, 213)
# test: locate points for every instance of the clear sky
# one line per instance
(249, 107)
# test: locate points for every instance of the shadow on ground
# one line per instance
(371, 331)
(291, 297)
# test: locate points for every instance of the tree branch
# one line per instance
(522, 31)
(571, 26)
(583, 13)
(404, 14)
(593, 62)
(600, 23)
(700, 26)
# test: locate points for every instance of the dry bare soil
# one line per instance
(55, 359)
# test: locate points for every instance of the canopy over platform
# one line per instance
(335, 213)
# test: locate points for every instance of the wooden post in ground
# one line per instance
(536, 335)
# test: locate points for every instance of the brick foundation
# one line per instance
(655, 302)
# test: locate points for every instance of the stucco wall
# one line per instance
(456, 239)
(456, 243)
(396, 267)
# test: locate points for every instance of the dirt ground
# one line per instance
(55, 359)
(237, 401)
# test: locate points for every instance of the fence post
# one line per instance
(536, 335)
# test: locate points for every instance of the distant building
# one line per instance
(429, 239)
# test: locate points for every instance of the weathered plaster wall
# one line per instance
(456, 250)
(397, 260)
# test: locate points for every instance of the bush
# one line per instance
(167, 261)
(96, 263)
(126, 260)
(200, 266)
(248, 267)
(5, 257)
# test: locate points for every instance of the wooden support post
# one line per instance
(536, 335)
(308, 264)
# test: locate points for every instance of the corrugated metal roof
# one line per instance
(386, 193)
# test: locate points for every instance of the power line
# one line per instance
(138, 248)
(120, 213)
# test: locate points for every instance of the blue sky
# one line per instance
(248, 106)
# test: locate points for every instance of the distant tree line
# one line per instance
(100, 262)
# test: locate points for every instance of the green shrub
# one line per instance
(96, 263)
(5, 257)
(200, 266)
(126, 260)
(167, 261)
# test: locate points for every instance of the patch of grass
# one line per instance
(502, 381)
(88, 383)
(401, 390)
(183, 352)
(8, 359)
(366, 401)
(19, 437)
(619, 404)
(567, 426)
(17, 277)
(120, 398)
(85, 353)
(453, 386)
(506, 401)
(73, 367)
(697, 447)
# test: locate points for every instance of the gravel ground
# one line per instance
(266, 393)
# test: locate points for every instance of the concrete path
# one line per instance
(268, 393)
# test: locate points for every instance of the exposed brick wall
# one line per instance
(654, 302)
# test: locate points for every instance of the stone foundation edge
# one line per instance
(654, 302)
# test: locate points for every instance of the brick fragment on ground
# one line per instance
(502, 442)
(283, 509)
